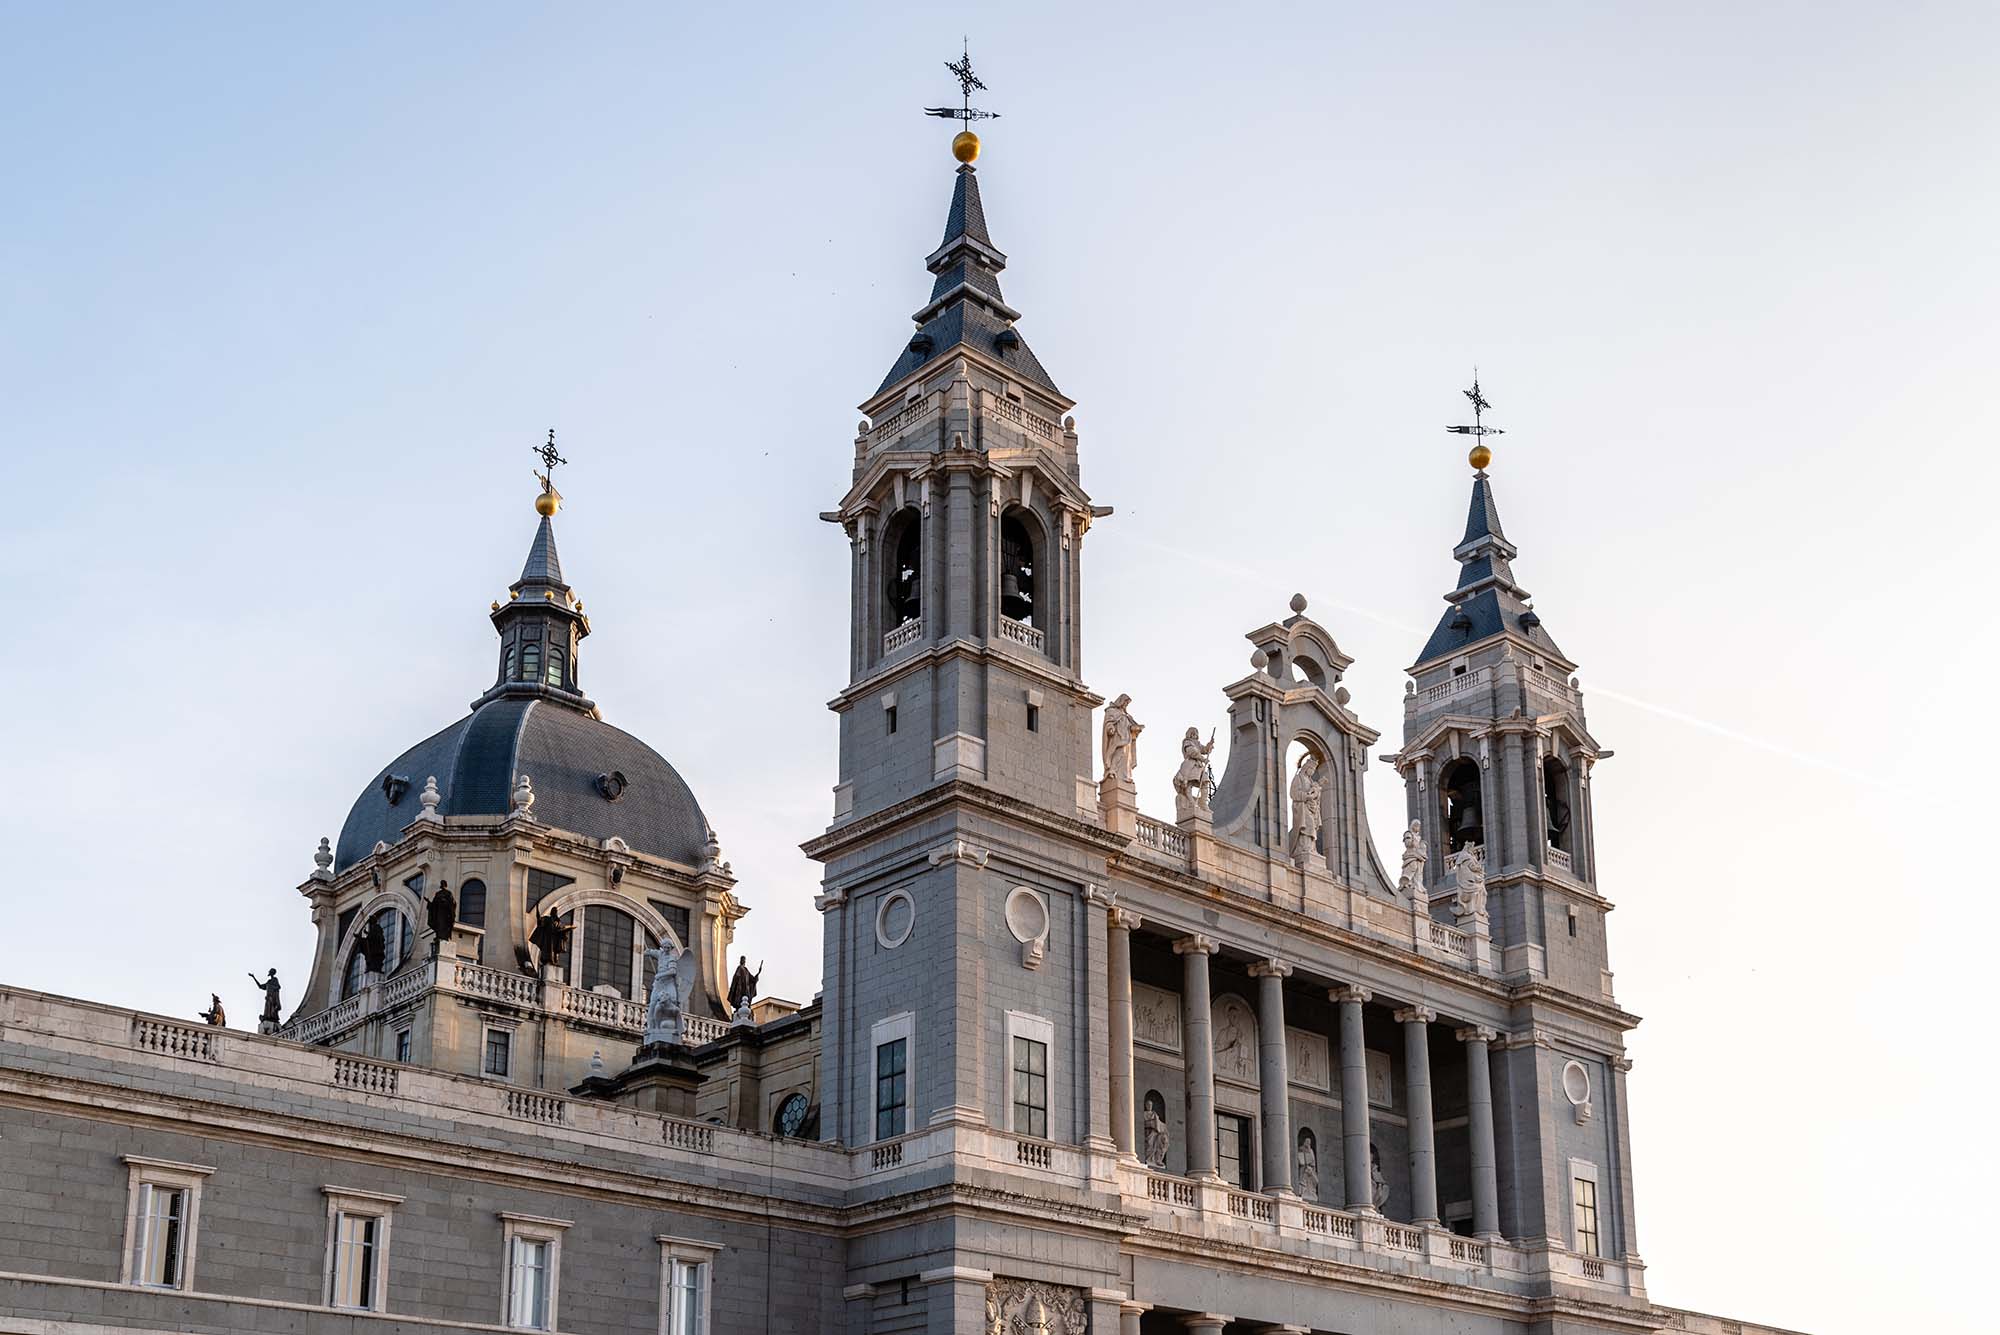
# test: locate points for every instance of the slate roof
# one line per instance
(967, 266)
(1487, 600)
(562, 749)
(543, 566)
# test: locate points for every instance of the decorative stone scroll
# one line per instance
(1156, 1017)
(1030, 1307)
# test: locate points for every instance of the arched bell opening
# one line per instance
(1555, 803)
(902, 591)
(1018, 565)
(1463, 809)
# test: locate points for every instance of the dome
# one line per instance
(564, 752)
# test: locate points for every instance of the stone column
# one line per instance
(1416, 1022)
(1197, 1040)
(1354, 1098)
(1273, 1080)
(1129, 1314)
(1120, 923)
(1479, 1119)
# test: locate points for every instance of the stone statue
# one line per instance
(1305, 807)
(550, 940)
(1306, 1176)
(1378, 1185)
(1155, 1119)
(1468, 867)
(743, 984)
(374, 946)
(1120, 741)
(664, 1002)
(267, 1023)
(442, 915)
(1411, 882)
(213, 1016)
(1194, 781)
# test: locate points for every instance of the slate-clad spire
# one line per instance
(543, 565)
(965, 308)
(1487, 600)
(540, 624)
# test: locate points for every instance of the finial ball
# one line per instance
(965, 146)
(1480, 457)
(1298, 602)
(547, 503)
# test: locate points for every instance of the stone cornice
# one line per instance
(965, 792)
(905, 664)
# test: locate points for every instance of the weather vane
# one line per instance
(965, 145)
(550, 499)
(1480, 455)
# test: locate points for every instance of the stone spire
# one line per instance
(966, 308)
(1487, 601)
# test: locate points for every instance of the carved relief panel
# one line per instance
(1156, 1017)
(1029, 1307)
(1306, 1059)
(1235, 1040)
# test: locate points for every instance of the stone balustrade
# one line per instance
(1021, 633)
(906, 634)
(465, 978)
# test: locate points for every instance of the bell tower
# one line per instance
(965, 524)
(1496, 755)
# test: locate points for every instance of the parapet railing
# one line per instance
(466, 978)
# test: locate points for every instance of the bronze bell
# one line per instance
(1468, 819)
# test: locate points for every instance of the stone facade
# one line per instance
(1073, 1068)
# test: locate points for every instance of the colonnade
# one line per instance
(1197, 1042)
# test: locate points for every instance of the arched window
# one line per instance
(555, 666)
(1555, 802)
(1464, 819)
(398, 940)
(1017, 569)
(607, 950)
(902, 590)
(531, 661)
(507, 663)
(472, 903)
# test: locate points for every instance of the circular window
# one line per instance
(1027, 915)
(1576, 1084)
(895, 919)
(792, 1114)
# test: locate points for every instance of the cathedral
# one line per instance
(1074, 1068)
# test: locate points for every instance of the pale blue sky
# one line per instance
(290, 292)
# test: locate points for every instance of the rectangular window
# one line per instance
(890, 712)
(1031, 1087)
(356, 1251)
(499, 1052)
(684, 1278)
(162, 1235)
(534, 1261)
(1585, 1195)
(357, 1247)
(1034, 718)
(1232, 1150)
(162, 1214)
(892, 1096)
(402, 1045)
(607, 948)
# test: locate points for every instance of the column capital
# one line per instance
(1271, 968)
(1125, 919)
(1350, 992)
(1134, 1305)
(1196, 944)
(1476, 1033)
(1621, 1064)
(1415, 1015)
(1206, 1321)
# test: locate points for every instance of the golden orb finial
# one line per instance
(547, 503)
(1479, 457)
(965, 146)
